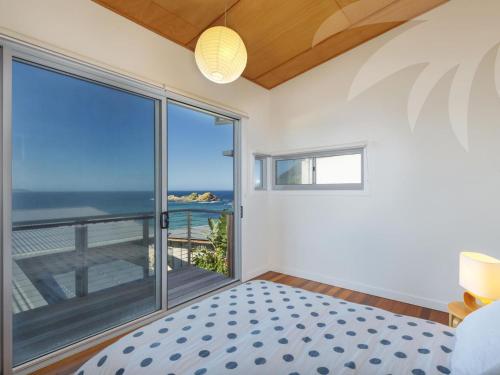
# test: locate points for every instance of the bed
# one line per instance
(261, 327)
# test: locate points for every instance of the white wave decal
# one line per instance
(451, 44)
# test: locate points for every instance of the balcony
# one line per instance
(76, 277)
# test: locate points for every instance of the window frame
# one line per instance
(313, 155)
(263, 173)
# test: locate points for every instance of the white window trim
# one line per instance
(264, 174)
(359, 149)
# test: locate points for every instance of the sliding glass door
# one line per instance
(85, 249)
(201, 201)
(108, 218)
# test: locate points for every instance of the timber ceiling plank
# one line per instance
(159, 16)
(284, 38)
(198, 13)
(276, 31)
(131, 8)
(382, 21)
(168, 24)
(356, 10)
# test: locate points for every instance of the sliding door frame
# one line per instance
(16, 52)
(11, 50)
(6, 204)
(237, 173)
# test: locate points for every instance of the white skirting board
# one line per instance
(363, 288)
(248, 275)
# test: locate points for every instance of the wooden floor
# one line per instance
(357, 297)
(69, 365)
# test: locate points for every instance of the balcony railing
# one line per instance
(38, 238)
(189, 231)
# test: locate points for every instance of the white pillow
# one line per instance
(477, 345)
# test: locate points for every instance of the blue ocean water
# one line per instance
(107, 202)
(28, 205)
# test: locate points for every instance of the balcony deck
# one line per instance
(57, 322)
(190, 282)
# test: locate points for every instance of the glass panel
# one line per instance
(200, 203)
(294, 172)
(258, 174)
(339, 169)
(83, 172)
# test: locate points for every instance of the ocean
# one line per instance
(28, 205)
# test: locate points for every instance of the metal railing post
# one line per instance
(145, 232)
(145, 242)
(230, 241)
(81, 272)
(189, 244)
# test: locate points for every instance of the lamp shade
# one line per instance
(220, 54)
(480, 275)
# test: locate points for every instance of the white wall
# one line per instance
(428, 197)
(89, 32)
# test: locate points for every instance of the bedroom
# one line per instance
(356, 157)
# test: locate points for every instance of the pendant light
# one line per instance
(220, 54)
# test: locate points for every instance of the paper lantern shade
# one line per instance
(220, 54)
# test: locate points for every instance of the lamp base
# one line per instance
(470, 300)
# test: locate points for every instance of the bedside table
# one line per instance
(457, 311)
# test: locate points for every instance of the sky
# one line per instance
(74, 135)
(195, 147)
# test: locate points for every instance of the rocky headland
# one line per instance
(194, 197)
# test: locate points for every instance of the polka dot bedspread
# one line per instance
(261, 327)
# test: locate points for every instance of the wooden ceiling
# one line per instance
(284, 38)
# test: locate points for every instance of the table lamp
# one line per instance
(480, 277)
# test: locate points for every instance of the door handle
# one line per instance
(164, 220)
